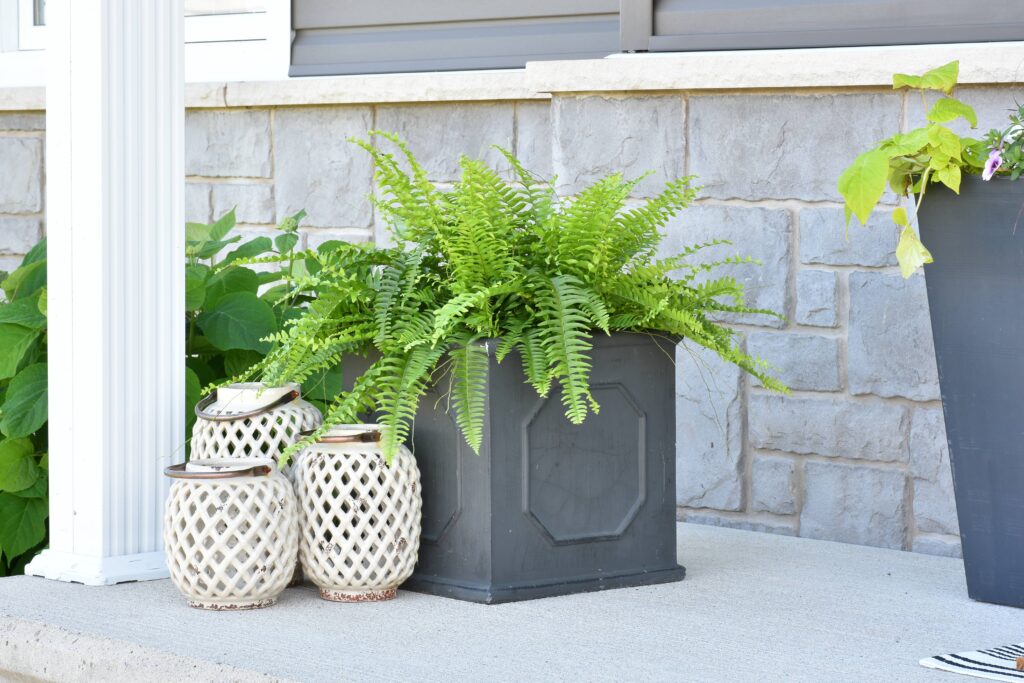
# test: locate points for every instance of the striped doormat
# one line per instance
(997, 664)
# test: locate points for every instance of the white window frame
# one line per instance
(218, 47)
(30, 36)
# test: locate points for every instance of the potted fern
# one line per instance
(970, 209)
(522, 344)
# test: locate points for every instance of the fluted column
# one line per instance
(115, 186)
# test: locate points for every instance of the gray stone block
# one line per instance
(854, 504)
(773, 485)
(595, 136)
(439, 134)
(824, 238)
(763, 234)
(316, 169)
(533, 137)
(197, 203)
(253, 202)
(21, 175)
(944, 546)
(890, 350)
(874, 430)
(18, 235)
(8, 264)
(22, 121)
(228, 144)
(781, 527)
(783, 146)
(934, 503)
(817, 298)
(800, 361)
(709, 430)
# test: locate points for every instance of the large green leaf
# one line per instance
(948, 109)
(250, 249)
(944, 141)
(286, 242)
(25, 409)
(862, 184)
(239, 321)
(324, 385)
(15, 340)
(36, 253)
(36, 490)
(942, 78)
(25, 281)
(222, 227)
(213, 247)
(229, 281)
(906, 143)
(195, 286)
(910, 253)
(238, 361)
(25, 312)
(18, 468)
(22, 523)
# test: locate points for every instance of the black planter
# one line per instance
(549, 508)
(976, 297)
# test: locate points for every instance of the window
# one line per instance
(225, 40)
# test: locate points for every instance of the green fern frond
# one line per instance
(469, 392)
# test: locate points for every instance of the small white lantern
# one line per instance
(251, 420)
(360, 517)
(230, 532)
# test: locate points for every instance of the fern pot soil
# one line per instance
(550, 508)
(976, 298)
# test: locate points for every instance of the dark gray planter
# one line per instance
(976, 297)
(549, 508)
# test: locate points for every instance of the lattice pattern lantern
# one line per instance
(231, 532)
(360, 517)
(250, 420)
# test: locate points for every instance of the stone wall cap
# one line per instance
(837, 67)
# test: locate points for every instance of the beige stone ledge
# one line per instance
(22, 99)
(980, 63)
(769, 69)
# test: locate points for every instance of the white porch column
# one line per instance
(115, 186)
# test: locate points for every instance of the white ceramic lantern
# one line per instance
(360, 517)
(251, 420)
(231, 532)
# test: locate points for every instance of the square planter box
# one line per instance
(547, 507)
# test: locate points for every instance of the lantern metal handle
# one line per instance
(206, 402)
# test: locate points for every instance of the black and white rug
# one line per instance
(996, 664)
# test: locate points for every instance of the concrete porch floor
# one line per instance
(754, 607)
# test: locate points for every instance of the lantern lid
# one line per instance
(221, 468)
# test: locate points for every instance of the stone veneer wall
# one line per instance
(856, 453)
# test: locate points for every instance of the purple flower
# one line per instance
(995, 160)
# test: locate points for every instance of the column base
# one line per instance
(98, 571)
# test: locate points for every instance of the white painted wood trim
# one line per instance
(30, 36)
(115, 188)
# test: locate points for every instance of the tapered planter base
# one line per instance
(976, 299)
